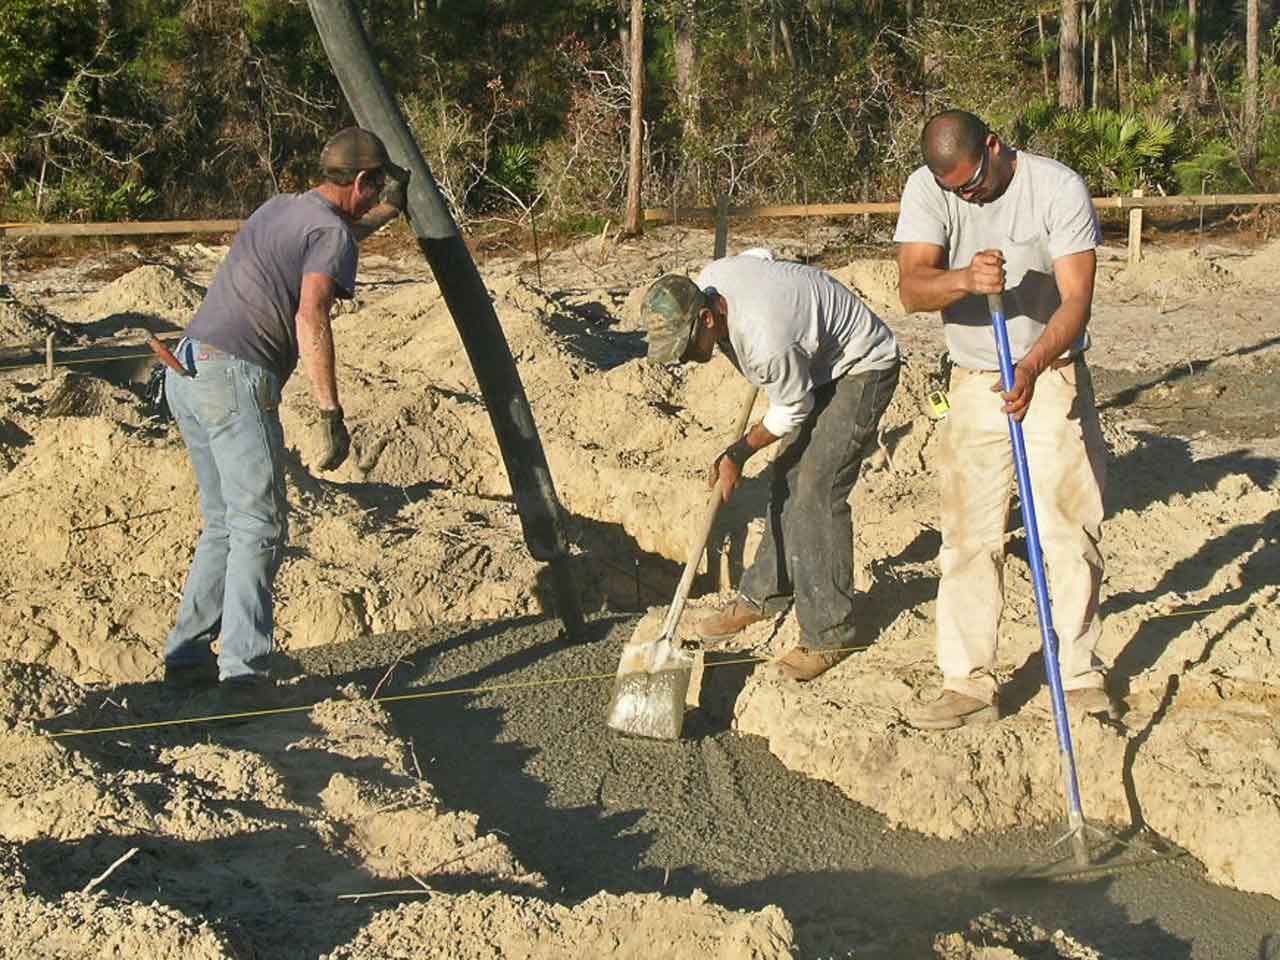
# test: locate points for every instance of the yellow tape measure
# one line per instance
(938, 405)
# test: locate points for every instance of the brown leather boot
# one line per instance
(1091, 702)
(729, 620)
(803, 665)
(952, 710)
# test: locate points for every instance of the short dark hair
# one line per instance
(952, 137)
(344, 178)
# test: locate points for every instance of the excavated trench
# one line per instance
(592, 810)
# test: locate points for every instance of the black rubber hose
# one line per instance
(541, 517)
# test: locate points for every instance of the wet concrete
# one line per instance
(1236, 398)
(592, 810)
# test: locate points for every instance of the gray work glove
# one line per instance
(337, 442)
(396, 192)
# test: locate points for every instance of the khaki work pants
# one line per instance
(1067, 460)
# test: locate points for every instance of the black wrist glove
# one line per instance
(739, 452)
(396, 192)
(337, 442)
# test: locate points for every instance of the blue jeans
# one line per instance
(229, 417)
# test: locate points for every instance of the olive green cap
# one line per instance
(354, 149)
(670, 311)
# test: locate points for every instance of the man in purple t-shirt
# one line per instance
(267, 308)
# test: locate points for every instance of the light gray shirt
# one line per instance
(1044, 215)
(251, 308)
(793, 328)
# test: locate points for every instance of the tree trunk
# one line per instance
(1097, 54)
(624, 32)
(1115, 72)
(1070, 96)
(1192, 95)
(688, 91)
(1085, 92)
(1145, 22)
(634, 224)
(784, 29)
(1252, 23)
(1044, 52)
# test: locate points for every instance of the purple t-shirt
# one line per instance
(251, 308)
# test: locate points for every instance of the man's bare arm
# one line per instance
(375, 219)
(315, 338)
(924, 283)
(1075, 275)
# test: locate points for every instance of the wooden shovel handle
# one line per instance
(708, 520)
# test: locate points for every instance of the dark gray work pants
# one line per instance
(807, 551)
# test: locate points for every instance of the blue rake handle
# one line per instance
(1075, 813)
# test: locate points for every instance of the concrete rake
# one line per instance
(1084, 859)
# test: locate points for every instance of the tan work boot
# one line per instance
(952, 710)
(730, 620)
(1091, 702)
(803, 665)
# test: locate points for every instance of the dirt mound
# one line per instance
(1180, 273)
(627, 927)
(998, 936)
(76, 395)
(153, 296)
(875, 281)
(31, 691)
(22, 325)
(79, 927)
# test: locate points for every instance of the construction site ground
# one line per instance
(791, 820)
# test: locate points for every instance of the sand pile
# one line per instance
(153, 296)
(629, 927)
(32, 691)
(23, 325)
(875, 281)
(1181, 273)
(998, 936)
(79, 927)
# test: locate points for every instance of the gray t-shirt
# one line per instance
(251, 308)
(792, 328)
(1044, 215)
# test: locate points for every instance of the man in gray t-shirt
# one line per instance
(981, 217)
(829, 366)
(268, 307)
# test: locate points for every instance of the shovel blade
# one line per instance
(650, 689)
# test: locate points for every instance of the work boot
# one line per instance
(730, 620)
(1091, 702)
(190, 676)
(247, 694)
(803, 665)
(952, 710)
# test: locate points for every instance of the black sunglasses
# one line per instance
(973, 182)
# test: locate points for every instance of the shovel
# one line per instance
(653, 676)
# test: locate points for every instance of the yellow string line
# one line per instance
(396, 698)
(460, 691)
(68, 363)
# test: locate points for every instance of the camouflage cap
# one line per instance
(670, 310)
(354, 149)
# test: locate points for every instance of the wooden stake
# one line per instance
(48, 357)
(1135, 232)
(722, 226)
